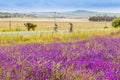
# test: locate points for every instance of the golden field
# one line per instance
(46, 24)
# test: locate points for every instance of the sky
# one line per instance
(60, 5)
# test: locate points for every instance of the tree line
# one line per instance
(14, 15)
(102, 18)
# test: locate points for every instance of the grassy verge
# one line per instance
(17, 30)
(54, 37)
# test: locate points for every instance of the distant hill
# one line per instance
(68, 14)
(83, 11)
(9, 15)
(72, 14)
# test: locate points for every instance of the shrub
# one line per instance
(116, 22)
(30, 26)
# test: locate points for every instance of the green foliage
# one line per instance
(30, 26)
(102, 18)
(116, 22)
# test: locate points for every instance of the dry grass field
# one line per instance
(47, 24)
(97, 29)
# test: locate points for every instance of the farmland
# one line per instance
(47, 24)
(80, 55)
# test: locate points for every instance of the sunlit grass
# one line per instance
(48, 26)
(55, 37)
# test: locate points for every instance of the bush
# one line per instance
(116, 22)
(30, 26)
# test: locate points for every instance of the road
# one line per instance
(42, 32)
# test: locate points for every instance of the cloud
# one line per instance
(59, 3)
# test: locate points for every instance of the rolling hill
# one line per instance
(72, 14)
(79, 14)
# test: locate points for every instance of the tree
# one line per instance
(102, 18)
(30, 26)
(116, 22)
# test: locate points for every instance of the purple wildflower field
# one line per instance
(97, 58)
